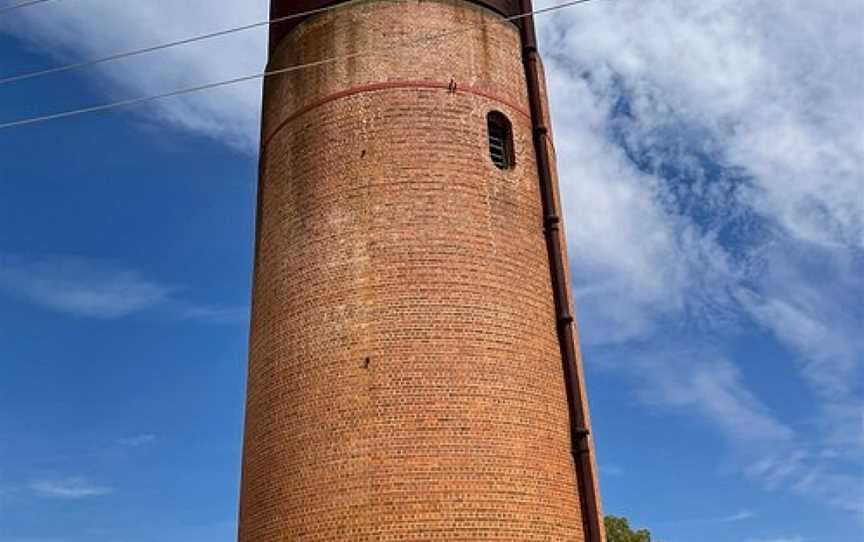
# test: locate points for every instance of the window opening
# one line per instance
(500, 140)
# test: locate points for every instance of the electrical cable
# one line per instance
(280, 71)
(19, 5)
(168, 45)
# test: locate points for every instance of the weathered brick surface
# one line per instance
(405, 376)
(280, 9)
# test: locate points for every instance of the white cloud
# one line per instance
(769, 451)
(699, 78)
(738, 517)
(93, 288)
(819, 321)
(80, 286)
(69, 488)
(85, 29)
(743, 515)
(777, 85)
(708, 159)
(718, 391)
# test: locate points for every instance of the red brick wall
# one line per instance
(290, 8)
(405, 377)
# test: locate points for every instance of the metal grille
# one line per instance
(500, 140)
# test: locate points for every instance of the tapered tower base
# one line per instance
(405, 374)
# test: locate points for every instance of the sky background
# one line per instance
(711, 157)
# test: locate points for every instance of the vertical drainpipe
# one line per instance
(582, 446)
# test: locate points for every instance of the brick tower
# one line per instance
(414, 371)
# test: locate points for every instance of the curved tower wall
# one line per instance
(405, 377)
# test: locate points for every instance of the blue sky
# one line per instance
(711, 167)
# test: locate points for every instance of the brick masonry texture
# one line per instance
(280, 9)
(405, 377)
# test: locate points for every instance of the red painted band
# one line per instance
(390, 85)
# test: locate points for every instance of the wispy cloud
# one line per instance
(93, 288)
(716, 389)
(743, 515)
(768, 450)
(80, 286)
(69, 488)
(718, 193)
(136, 441)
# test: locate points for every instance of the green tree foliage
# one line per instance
(618, 530)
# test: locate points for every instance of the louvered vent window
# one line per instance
(500, 140)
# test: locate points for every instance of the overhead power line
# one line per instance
(170, 44)
(280, 71)
(19, 5)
